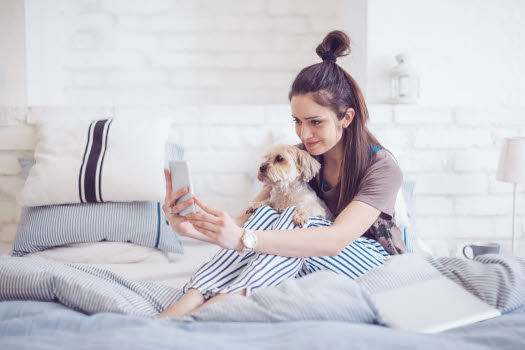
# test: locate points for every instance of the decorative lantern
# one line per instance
(404, 81)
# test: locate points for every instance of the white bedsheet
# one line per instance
(131, 260)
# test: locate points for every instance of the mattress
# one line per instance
(131, 260)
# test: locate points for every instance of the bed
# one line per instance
(51, 324)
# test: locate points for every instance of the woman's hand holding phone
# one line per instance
(213, 226)
(178, 222)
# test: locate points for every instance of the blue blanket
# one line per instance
(50, 325)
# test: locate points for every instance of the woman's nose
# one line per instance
(304, 132)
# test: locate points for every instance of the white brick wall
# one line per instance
(173, 52)
(458, 200)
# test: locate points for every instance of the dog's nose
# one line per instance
(263, 168)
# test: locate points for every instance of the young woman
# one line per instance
(359, 181)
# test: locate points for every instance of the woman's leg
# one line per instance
(262, 271)
(354, 260)
(217, 298)
(188, 302)
(225, 266)
(265, 270)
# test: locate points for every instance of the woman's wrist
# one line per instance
(240, 245)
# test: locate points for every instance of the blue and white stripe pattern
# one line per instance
(228, 272)
(81, 287)
(142, 223)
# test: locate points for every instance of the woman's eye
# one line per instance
(316, 121)
(295, 121)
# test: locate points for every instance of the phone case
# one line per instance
(181, 177)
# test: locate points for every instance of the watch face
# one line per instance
(250, 239)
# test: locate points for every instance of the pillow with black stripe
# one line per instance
(98, 161)
(139, 222)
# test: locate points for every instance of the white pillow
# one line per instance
(400, 210)
(107, 160)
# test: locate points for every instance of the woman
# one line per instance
(359, 181)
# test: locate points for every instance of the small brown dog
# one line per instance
(287, 169)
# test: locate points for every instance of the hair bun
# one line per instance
(335, 44)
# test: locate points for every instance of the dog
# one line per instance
(287, 169)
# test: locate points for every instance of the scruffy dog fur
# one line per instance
(287, 169)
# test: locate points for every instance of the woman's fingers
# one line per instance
(176, 195)
(172, 197)
(203, 230)
(167, 175)
(207, 208)
(204, 217)
(179, 207)
(204, 225)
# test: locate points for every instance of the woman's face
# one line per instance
(317, 126)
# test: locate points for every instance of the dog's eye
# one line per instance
(279, 159)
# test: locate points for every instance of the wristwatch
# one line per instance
(249, 240)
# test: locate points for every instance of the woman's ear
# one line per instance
(349, 116)
(308, 165)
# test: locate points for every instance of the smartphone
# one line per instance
(181, 177)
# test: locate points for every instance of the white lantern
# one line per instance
(404, 81)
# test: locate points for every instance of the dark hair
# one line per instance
(331, 86)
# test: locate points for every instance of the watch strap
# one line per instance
(245, 250)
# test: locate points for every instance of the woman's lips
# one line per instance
(308, 144)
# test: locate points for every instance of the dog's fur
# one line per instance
(287, 169)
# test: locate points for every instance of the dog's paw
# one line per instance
(299, 218)
(253, 207)
(250, 210)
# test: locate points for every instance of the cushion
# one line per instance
(107, 160)
(139, 222)
(413, 241)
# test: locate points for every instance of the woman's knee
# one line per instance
(285, 222)
(269, 214)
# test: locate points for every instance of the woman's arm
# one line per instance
(264, 194)
(351, 223)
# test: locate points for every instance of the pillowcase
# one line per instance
(413, 241)
(107, 160)
(139, 222)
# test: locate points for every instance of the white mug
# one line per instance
(481, 248)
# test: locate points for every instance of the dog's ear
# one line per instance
(307, 165)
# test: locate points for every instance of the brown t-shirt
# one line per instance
(378, 188)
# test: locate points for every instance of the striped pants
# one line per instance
(228, 272)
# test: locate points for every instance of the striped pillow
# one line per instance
(139, 222)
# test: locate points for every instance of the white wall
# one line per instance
(12, 54)
(466, 52)
(170, 52)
